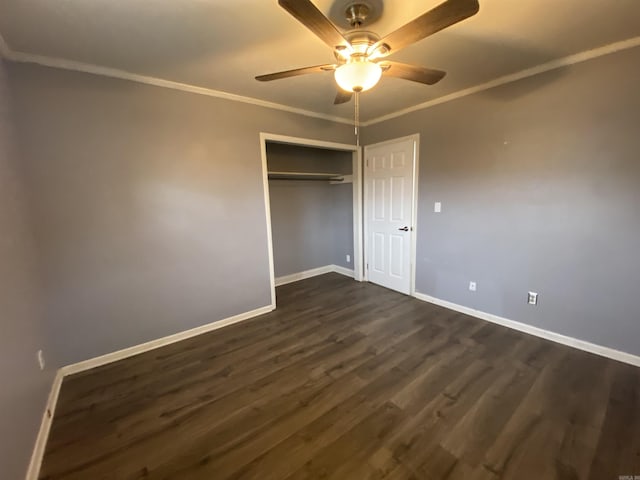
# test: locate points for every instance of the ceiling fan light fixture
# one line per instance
(358, 76)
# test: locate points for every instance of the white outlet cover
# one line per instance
(472, 286)
(437, 207)
(348, 258)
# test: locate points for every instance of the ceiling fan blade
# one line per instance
(414, 73)
(295, 72)
(443, 16)
(312, 18)
(342, 97)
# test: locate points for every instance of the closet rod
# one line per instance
(302, 179)
(307, 176)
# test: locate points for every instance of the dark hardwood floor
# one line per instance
(351, 381)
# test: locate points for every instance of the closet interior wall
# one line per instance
(311, 220)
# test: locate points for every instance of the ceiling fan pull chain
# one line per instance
(357, 117)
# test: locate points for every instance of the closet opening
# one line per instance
(313, 199)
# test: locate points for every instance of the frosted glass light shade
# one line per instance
(358, 76)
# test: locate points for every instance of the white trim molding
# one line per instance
(160, 82)
(513, 77)
(356, 178)
(161, 342)
(307, 142)
(33, 472)
(357, 181)
(313, 272)
(343, 271)
(22, 57)
(35, 463)
(536, 331)
(295, 277)
(267, 214)
(47, 418)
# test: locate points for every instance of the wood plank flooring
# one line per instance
(348, 380)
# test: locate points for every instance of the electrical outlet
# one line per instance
(472, 286)
(348, 258)
(40, 359)
(437, 207)
(532, 298)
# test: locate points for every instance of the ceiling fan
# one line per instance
(361, 54)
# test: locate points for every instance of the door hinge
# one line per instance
(367, 266)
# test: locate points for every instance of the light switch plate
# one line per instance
(472, 286)
(437, 207)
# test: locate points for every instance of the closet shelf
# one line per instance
(327, 177)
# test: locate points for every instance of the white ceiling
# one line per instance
(223, 44)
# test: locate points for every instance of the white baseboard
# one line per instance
(45, 426)
(294, 277)
(47, 418)
(314, 272)
(536, 331)
(38, 452)
(161, 342)
(343, 271)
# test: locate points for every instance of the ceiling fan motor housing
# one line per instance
(361, 42)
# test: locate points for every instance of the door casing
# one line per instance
(357, 162)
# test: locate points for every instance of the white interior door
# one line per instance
(389, 192)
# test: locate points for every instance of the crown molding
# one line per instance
(21, 57)
(63, 64)
(513, 77)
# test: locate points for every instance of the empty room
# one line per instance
(320, 239)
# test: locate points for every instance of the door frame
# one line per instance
(415, 138)
(358, 258)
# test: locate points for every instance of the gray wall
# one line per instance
(148, 204)
(342, 223)
(540, 186)
(311, 222)
(24, 387)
